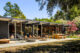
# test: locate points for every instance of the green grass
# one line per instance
(67, 46)
(73, 36)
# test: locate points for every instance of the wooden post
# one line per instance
(60, 28)
(32, 29)
(37, 30)
(8, 30)
(21, 29)
(41, 30)
(48, 31)
(56, 29)
(15, 29)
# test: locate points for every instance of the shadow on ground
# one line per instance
(67, 47)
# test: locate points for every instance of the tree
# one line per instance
(77, 22)
(60, 15)
(1, 16)
(13, 11)
(74, 12)
(65, 5)
(61, 21)
(72, 27)
(44, 19)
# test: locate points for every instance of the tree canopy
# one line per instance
(63, 4)
(44, 19)
(13, 11)
(73, 27)
(60, 15)
(61, 21)
(77, 20)
(72, 13)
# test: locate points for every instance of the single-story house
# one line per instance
(20, 27)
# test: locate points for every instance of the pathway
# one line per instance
(20, 43)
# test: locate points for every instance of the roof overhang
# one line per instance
(17, 20)
(5, 19)
(37, 22)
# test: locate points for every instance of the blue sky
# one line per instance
(29, 7)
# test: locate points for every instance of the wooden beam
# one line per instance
(18, 20)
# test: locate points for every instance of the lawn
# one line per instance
(70, 46)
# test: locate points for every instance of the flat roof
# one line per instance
(4, 19)
(28, 21)
(43, 23)
(11, 19)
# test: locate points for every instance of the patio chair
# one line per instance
(12, 36)
(30, 36)
(25, 37)
(30, 40)
(20, 37)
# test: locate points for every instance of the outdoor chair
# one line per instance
(34, 37)
(19, 37)
(12, 37)
(38, 37)
(59, 36)
(53, 36)
(30, 36)
(56, 36)
(25, 37)
(30, 40)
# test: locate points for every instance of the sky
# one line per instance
(30, 8)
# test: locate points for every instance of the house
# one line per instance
(19, 27)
